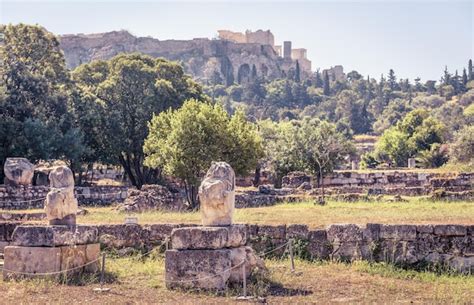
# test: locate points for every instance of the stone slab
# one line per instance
(201, 238)
(54, 236)
(33, 262)
(197, 269)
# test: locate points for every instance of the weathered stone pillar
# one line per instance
(210, 257)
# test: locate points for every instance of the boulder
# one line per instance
(252, 262)
(18, 171)
(61, 205)
(217, 195)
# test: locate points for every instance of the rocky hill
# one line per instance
(201, 57)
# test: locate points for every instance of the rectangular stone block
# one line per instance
(297, 231)
(25, 262)
(275, 232)
(208, 237)
(318, 246)
(344, 233)
(54, 236)
(398, 232)
(427, 229)
(450, 230)
(197, 269)
(50, 262)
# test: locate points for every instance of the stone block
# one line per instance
(318, 246)
(19, 261)
(33, 262)
(76, 256)
(208, 237)
(297, 231)
(450, 230)
(273, 232)
(53, 236)
(344, 233)
(425, 229)
(398, 232)
(371, 232)
(197, 269)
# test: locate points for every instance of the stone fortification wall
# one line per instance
(232, 56)
(447, 246)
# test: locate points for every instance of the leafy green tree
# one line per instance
(462, 149)
(36, 116)
(185, 141)
(320, 147)
(417, 132)
(130, 88)
(436, 156)
(280, 148)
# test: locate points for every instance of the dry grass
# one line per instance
(415, 211)
(141, 282)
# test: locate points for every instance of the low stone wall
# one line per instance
(446, 246)
(388, 183)
(28, 197)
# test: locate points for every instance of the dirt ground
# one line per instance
(137, 282)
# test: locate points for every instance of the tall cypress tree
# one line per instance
(470, 71)
(392, 80)
(326, 89)
(297, 74)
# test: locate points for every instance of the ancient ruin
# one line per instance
(61, 205)
(217, 195)
(233, 55)
(18, 171)
(211, 257)
(60, 248)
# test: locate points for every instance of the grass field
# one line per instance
(415, 211)
(134, 281)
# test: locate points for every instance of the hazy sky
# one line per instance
(415, 38)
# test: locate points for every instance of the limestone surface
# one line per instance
(54, 236)
(61, 205)
(197, 269)
(18, 171)
(217, 195)
(208, 237)
(252, 261)
(28, 262)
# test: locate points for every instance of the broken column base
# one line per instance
(209, 258)
(50, 262)
(51, 252)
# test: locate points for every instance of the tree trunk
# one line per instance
(256, 179)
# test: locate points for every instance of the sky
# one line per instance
(415, 38)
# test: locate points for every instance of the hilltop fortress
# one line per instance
(235, 56)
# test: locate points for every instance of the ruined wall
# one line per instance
(390, 183)
(446, 246)
(28, 197)
(335, 73)
(201, 57)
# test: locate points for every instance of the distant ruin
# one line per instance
(234, 55)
